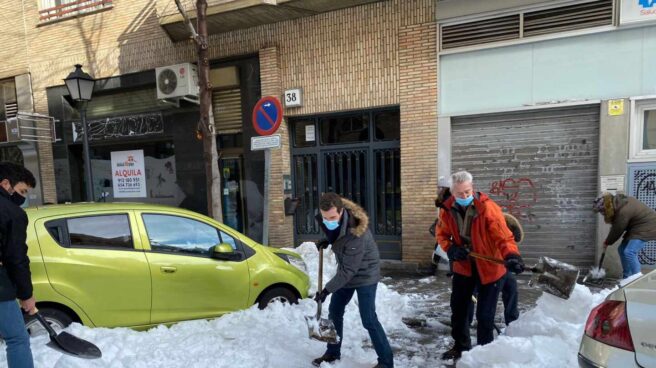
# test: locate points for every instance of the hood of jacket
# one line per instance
(611, 204)
(358, 220)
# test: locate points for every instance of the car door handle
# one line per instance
(168, 269)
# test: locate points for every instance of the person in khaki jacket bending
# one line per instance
(630, 217)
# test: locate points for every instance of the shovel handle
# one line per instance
(601, 260)
(487, 258)
(500, 261)
(46, 325)
(320, 286)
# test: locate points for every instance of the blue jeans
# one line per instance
(367, 305)
(13, 331)
(628, 251)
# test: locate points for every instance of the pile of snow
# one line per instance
(597, 273)
(547, 336)
(275, 337)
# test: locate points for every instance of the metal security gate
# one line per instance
(365, 170)
(540, 166)
(642, 185)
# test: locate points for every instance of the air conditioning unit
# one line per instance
(177, 81)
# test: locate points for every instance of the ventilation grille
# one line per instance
(569, 18)
(642, 186)
(226, 106)
(483, 31)
(536, 23)
(11, 109)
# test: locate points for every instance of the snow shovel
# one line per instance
(597, 274)
(69, 344)
(321, 329)
(554, 277)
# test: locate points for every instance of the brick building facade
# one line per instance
(379, 54)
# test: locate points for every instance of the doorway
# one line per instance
(354, 154)
(231, 185)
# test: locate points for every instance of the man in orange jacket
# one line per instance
(472, 222)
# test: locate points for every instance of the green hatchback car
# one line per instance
(140, 265)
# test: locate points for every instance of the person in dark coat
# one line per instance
(346, 226)
(15, 276)
(630, 217)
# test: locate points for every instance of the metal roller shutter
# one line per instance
(226, 105)
(542, 167)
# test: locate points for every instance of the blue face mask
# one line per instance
(464, 202)
(331, 225)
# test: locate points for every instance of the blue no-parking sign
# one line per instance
(267, 115)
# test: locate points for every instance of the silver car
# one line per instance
(621, 331)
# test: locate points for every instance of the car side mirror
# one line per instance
(224, 252)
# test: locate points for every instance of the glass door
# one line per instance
(231, 183)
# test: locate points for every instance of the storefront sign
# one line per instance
(612, 183)
(265, 142)
(267, 115)
(128, 174)
(615, 107)
(637, 11)
(120, 126)
(294, 97)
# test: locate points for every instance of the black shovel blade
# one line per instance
(71, 345)
(555, 277)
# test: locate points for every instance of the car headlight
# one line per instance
(294, 261)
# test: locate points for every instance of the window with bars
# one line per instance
(56, 9)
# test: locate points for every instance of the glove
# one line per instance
(321, 296)
(457, 253)
(514, 263)
(322, 244)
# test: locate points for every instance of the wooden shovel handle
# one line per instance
(487, 258)
(320, 286)
(500, 261)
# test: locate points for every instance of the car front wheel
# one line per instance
(57, 319)
(279, 294)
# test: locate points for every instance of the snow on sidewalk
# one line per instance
(547, 336)
(277, 337)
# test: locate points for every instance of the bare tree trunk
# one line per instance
(206, 123)
(206, 117)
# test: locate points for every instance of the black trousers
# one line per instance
(509, 296)
(462, 289)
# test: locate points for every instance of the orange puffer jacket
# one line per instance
(489, 236)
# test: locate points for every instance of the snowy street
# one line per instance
(546, 335)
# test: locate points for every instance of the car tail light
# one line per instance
(607, 323)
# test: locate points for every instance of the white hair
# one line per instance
(461, 177)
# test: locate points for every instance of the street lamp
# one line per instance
(80, 87)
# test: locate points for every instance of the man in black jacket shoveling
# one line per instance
(346, 226)
(15, 277)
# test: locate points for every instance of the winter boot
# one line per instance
(324, 358)
(453, 353)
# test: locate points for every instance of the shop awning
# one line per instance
(237, 14)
